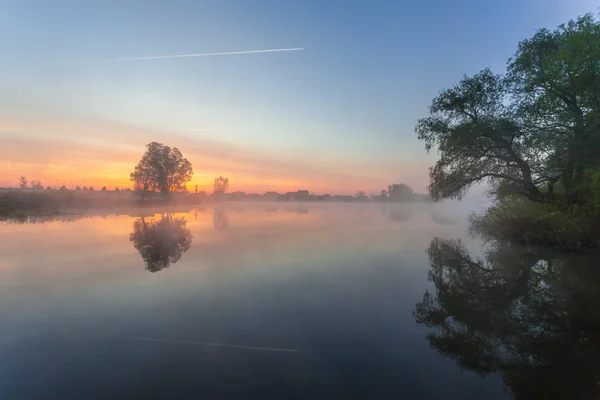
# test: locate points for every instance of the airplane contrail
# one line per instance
(208, 54)
(237, 346)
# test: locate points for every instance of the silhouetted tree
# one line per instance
(360, 195)
(85, 188)
(161, 242)
(220, 186)
(78, 187)
(103, 189)
(48, 188)
(162, 169)
(37, 185)
(117, 189)
(92, 189)
(400, 192)
(23, 182)
(531, 317)
(63, 188)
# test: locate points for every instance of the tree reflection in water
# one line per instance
(399, 213)
(220, 219)
(41, 219)
(532, 317)
(160, 242)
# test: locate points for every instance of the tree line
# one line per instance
(24, 184)
(163, 169)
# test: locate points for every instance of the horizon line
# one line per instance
(207, 54)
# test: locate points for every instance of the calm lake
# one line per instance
(290, 301)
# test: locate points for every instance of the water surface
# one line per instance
(289, 301)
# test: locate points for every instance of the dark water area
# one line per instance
(290, 301)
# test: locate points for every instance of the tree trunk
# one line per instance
(533, 193)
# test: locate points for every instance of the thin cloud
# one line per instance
(208, 54)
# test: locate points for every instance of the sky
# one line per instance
(335, 117)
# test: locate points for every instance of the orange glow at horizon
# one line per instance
(82, 153)
(57, 175)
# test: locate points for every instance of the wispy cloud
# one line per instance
(207, 54)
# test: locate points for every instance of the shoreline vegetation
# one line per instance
(532, 135)
(28, 202)
(160, 179)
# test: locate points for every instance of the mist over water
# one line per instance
(288, 300)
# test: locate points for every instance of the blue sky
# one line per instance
(347, 103)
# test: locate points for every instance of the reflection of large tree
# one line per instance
(533, 319)
(161, 241)
(399, 213)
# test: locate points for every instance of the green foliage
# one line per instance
(594, 200)
(525, 131)
(526, 314)
(554, 77)
(533, 135)
(515, 219)
(478, 138)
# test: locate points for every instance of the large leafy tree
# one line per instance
(220, 186)
(144, 177)
(537, 125)
(555, 77)
(479, 138)
(400, 192)
(163, 169)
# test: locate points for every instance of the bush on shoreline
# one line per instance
(13, 203)
(573, 228)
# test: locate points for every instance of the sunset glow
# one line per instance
(78, 151)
